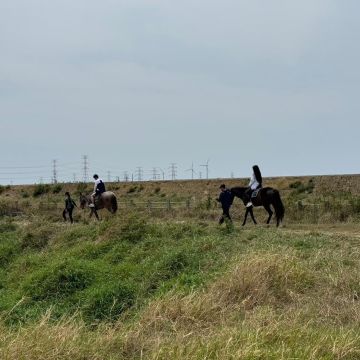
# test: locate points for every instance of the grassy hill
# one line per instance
(169, 283)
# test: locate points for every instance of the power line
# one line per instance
(173, 171)
(54, 178)
(85, 168)
(126, 176)
(139, 173)
(155, 174)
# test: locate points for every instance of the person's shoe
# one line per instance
(249, 204)
(92, 205)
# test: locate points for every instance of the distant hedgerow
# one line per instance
(41, 189)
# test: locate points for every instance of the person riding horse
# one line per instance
(99, 188)
(254, 184)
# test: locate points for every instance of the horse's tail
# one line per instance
(114, 204)
(279, 207)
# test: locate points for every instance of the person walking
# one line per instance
(225, 199)
(69, 207)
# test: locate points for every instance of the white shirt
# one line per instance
(97, 182)
(253, 182)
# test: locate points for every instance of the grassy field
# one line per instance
(172, 284)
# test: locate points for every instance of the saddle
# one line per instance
(255, 193)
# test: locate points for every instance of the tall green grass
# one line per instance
(134, 287)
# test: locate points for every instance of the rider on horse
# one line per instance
(254, 184)
(99, 188)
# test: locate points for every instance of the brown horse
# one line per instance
(107, 200)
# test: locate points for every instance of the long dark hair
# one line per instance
(257, 174)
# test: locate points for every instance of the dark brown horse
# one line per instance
(107, 200)
(266, 197)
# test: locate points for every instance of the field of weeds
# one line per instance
(172, 284)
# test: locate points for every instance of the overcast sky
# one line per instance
(151, 82)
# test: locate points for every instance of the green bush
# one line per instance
(57, 188)
(300, 188)
(41, 189)
(132, 189)
(82, 188)
(296, 185)
(24, 194)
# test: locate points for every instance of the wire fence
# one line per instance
(295, 212)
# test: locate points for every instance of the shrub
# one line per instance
(57, 188)
(2, 189)
(41, 189)
(132, 189)
(300, 188)
(296, 185)
(355, 205)
(82, 188)
(24, 194)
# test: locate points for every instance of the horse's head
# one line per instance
(83, 200)
(238, 191)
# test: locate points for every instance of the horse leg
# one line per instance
(246, 215)
(270, 212)
(252, 215)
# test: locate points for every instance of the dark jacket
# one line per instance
(226, 198)
(69, 204)
(100, 188)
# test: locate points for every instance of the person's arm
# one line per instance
(95, 186)
(74, 203)
(252, 180)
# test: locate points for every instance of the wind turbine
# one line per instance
(206, 166)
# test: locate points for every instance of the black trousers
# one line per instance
(69, 212)
(224, 215)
